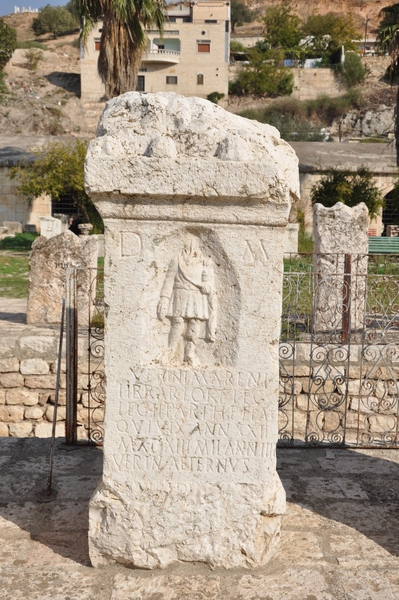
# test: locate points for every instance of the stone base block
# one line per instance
(236, 525)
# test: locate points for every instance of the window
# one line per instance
(140, 87)
(203, 46)
(97, 44)
(210, 21)
(171, 79)
(143, 70)
(200, 79)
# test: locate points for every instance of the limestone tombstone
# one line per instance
(50, 227)
(340, 230)
(48, 262)
(195, 202)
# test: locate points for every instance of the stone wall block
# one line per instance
(61, 413)
(54, 366)
(9, 365)
(11, 414)
(61, 398)
(43, 430)
(2, 397)
(7, 347)
(11, 380)
(44, 397)
(4, 431)
(39, 346)
(45, 382)
(34, 366)
(34, 412)
(22, 396)
(21, 430)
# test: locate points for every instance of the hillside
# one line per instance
(47, 102)
(359, 9)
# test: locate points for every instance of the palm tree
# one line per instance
(122, 38)
(388, 41)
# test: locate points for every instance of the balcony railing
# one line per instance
(158, 55)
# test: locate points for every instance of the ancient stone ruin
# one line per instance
(195, 201)
(339, 287)
(49, 260)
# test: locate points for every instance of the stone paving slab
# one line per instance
(339, 538)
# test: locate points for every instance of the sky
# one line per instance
(7, 6)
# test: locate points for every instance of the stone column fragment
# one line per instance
(48, 262)
(195, 201)
(338, 231)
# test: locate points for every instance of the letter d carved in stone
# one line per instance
(192, 331)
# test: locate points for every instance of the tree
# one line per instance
(240, 14)
(122, 38)
(326, 34)
(352, 70)
(388, 41)
(262, 77)
(282, 28)
(350, 188)
(8, 42)
(54, 19)
(57, 170)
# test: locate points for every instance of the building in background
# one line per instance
(190, 58)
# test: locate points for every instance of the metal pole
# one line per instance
(57, 389)
(71, 357)
(346, 298)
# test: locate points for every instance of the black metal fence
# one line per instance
(339, 351)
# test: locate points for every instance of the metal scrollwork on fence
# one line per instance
(95, 361)
(339, 351)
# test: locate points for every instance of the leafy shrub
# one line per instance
(33, 56)
(237, 46)
(350, 188)
(352, 70)
(215, 97)
(21, 242)
(8, 42)
(264, 80)
(56, 20)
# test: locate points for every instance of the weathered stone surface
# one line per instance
(43, 430)
(34, 412)
(61, 413)
(7, 346)
(21, 430)
(61, 398)
(339, 230)
(11, 414)
(22, 396)
(50, 227)
(45, 382)
(34, 366)
(2, 396)
(8, 365)
(195, 202)
(4, 432)
(49, 260)
(11, 380)
(37, 346)
(291, 238)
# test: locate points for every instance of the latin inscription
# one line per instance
(210, 421)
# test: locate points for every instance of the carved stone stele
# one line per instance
(195, 201)
(339, 230)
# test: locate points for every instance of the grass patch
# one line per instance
(14, 273)
(21, 242)
(31, 44)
